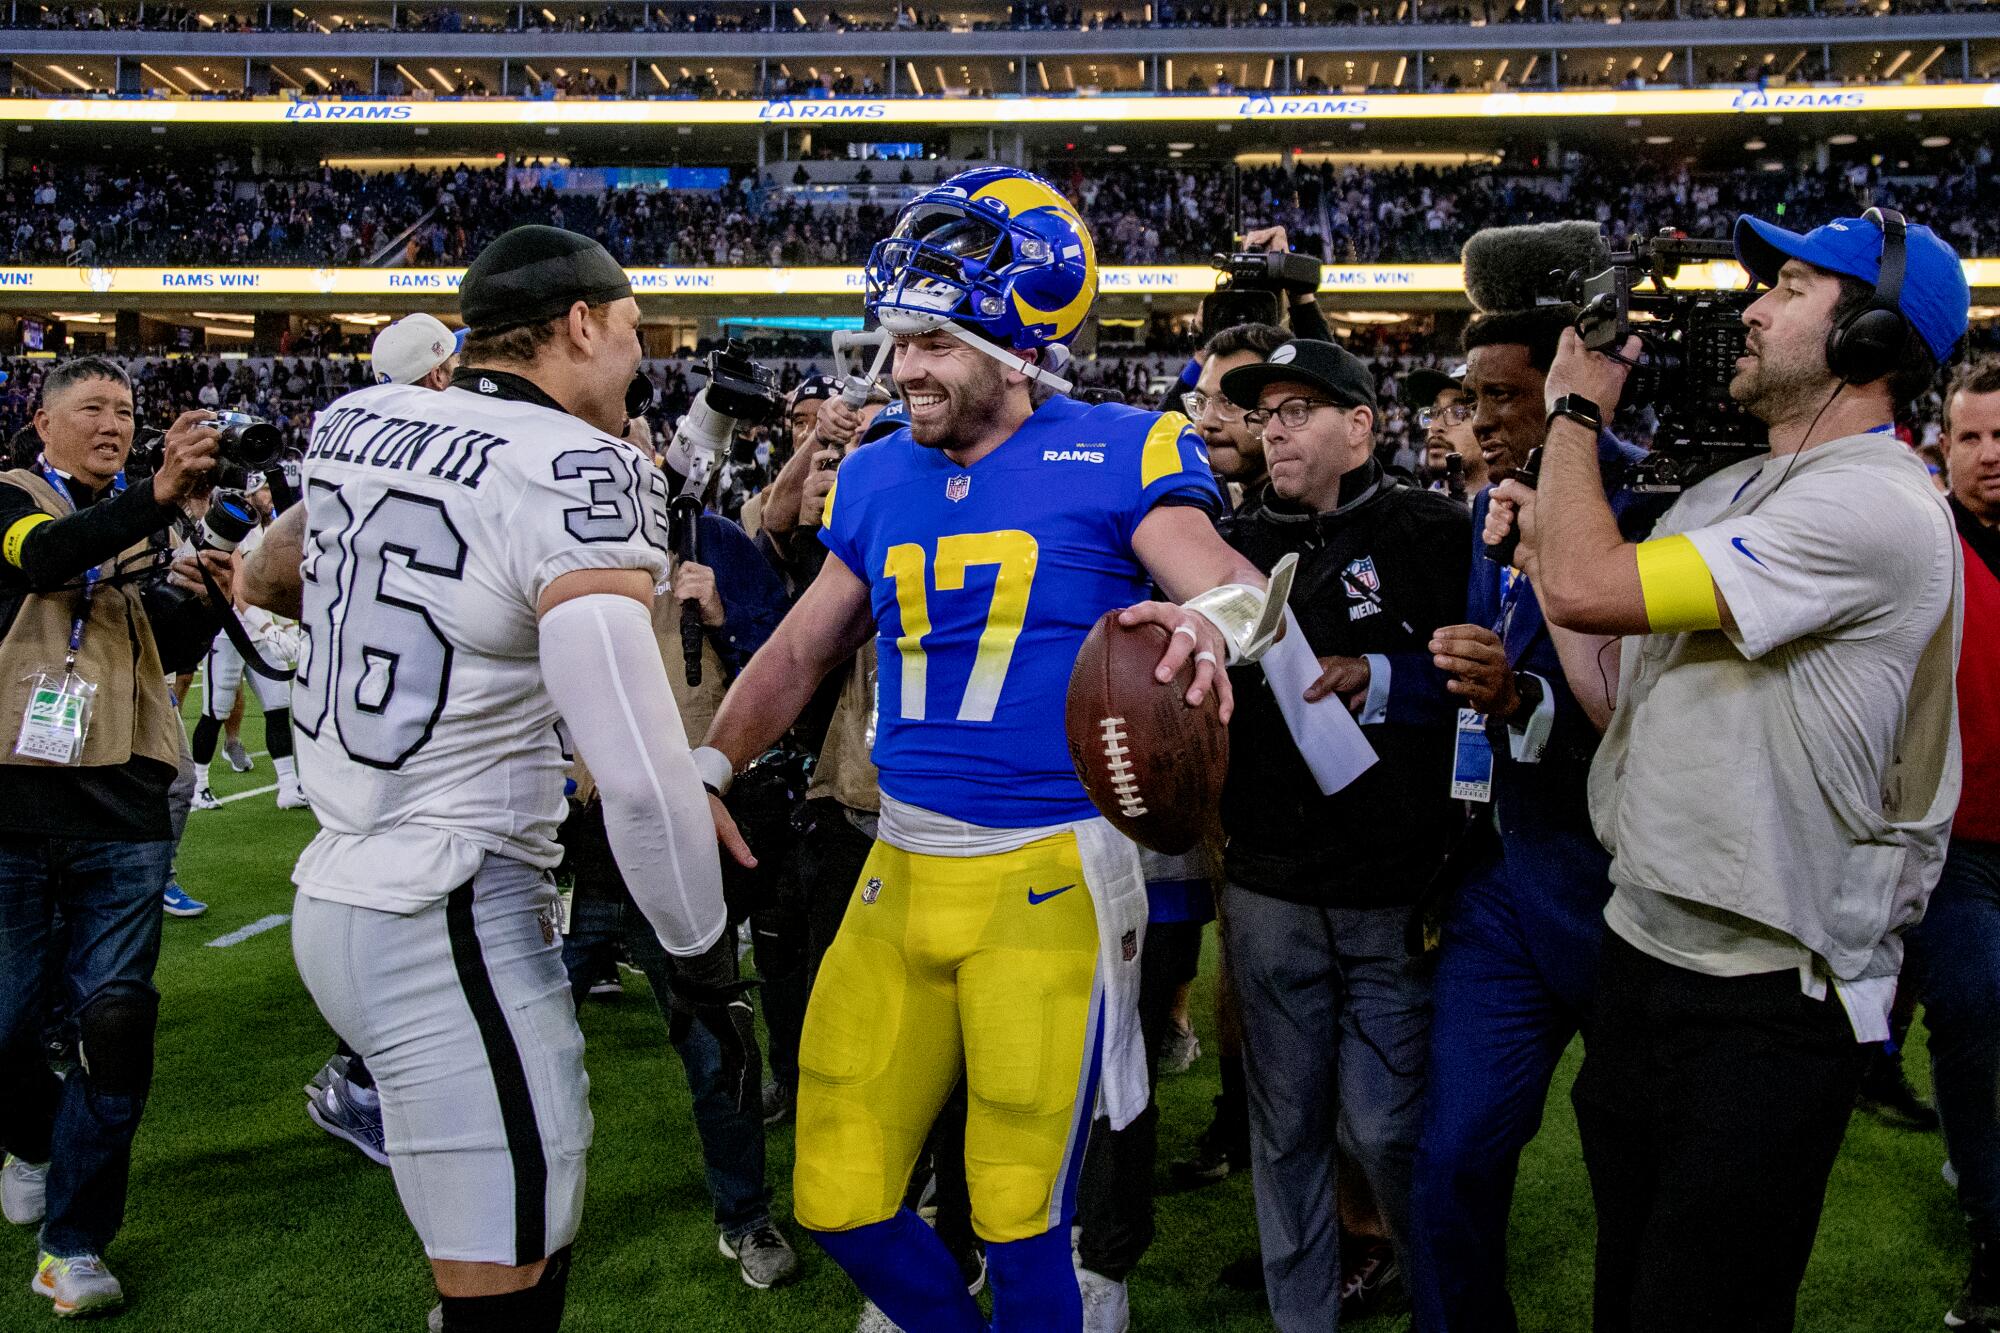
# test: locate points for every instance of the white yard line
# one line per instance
(242, 933)
(246, 795)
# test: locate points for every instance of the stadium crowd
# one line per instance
(218, 211)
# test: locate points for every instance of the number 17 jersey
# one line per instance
(435, 521)
(984, 582)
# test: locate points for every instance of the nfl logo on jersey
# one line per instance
(958, 488)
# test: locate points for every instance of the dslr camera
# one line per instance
(1688, 345)
(245, 443)
(1251, 285)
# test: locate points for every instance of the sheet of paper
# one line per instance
(1327, 734)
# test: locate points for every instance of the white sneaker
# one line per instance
(24, 1191)
(239, 758)
(291, 796)
(435, 1322)
(77, 1286)
(205, 800)
(1106, 1307)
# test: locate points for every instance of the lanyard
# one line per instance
(60, 485)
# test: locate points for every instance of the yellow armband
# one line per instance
(17, 536)
(1679, 591)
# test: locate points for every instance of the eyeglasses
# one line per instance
(1294, 412)
(1455, 415)
(1196, 404)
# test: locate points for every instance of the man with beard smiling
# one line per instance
(1779, 774)
(999, 919)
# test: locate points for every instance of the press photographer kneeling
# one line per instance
(1779, 773)
(89, 631)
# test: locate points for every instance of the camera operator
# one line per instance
(1778, 776)
(1522, 921)
(776, 515)
(1321, 889)
(1235, 451)
(1955, 950)
(1300, 309)
(84, 655)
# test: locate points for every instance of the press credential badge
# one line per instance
(58, 718)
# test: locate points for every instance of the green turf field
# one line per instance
(245, 1218)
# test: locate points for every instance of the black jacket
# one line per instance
(1376, 575)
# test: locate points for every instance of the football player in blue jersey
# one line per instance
(996, 927)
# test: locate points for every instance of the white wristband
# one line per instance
(715, 769)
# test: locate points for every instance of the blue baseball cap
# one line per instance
(1935, 297)
(888, 421)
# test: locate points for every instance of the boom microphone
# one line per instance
(1513, 268)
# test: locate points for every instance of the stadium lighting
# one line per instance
(1659, 140)
(1114, 148)
(169, 82)
(1180, 147)
(916, 80)
(1937, 141)
(1896, 64)
(1929, 60)
(1842, 140)
(225, 317)
(192, 78)
(1402, 67)
(442, 82)
(316, 76)
(666, 84)
(81, 83)
(1753, 145)
(224, 331)
(1528, 71)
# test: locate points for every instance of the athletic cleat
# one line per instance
(178, 903)
(1107, 1308)
(337, 1111)
(1213, 1160)
(1183, 1049)
(82, 1285)
(24, 1191)
(778, 1103)
(291, 796)
(762, 1255)
(609, 987)
(1886, 1091)
(971, 1267)
(239, 758)
(204, 799)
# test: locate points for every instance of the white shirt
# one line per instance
(426, 739)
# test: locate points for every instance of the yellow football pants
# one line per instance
(985, 964)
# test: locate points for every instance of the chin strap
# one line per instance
(1012, 360)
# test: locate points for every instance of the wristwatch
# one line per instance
(1578, 409)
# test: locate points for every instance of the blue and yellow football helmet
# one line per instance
(995, 250)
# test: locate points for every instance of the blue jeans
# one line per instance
(109, 897)
(1515, 976)
(1954, 964)
(732, 1141)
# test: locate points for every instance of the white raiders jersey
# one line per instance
(435, 521)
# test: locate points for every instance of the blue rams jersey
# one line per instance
(984, 582)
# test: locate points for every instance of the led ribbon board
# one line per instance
(108, 284)
(1004, 111)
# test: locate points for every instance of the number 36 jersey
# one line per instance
(435, 521)
(984, 582)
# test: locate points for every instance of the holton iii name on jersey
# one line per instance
(356, 435)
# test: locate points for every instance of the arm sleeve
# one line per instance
(1828, 553)
(1308, 321)
(40, 553)
(584, 508)
(1375, 707)
(603, 669)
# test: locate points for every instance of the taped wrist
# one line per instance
(1248, 617)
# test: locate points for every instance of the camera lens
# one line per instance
(247, 441)
(228, 521)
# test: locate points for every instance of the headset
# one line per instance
(1869, 342)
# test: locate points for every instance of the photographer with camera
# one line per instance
(88, 633)
(1779, 773)
(1262, 283)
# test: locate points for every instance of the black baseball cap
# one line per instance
(1332, 369)
(815, 386)
(535, 273)
(1420, 388)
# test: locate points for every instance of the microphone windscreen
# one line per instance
(1512, 268)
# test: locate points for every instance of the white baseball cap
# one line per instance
(412, 348)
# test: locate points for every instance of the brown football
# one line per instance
(1152, 765)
